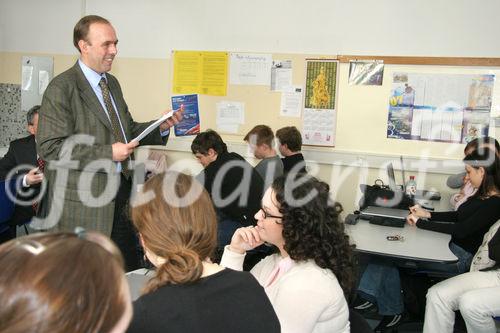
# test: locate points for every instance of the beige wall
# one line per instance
(361, 110)
(361, 121)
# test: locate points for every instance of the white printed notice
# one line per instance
(318, 127)
(43, 81)
(291, 101)
(27, 78)
(230, 113)
(281, 75)
(250, 69)
(229, 116)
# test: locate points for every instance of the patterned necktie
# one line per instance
(115, 122)
(41, 166)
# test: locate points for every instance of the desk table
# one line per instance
(418, 244)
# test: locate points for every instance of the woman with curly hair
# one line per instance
(308, 280)
(177, 226)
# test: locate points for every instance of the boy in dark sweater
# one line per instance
(290, 145)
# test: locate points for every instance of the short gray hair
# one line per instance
(31, 114)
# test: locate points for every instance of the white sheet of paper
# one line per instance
(458, 117)
(27, 75)
(281, 74)
(230, 113)
(291, 101)
(416, 124)
(250, 69)
(43, 81)
(228, 128)
(319, 127)
(154, 125)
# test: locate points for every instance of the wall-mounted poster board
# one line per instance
(361, 111)
(440, 107)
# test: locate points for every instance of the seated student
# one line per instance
(290, 144)
(475, 294)
(380, 282)
(457, 181)
(309, 277)
(177, 226)
(234, 186)
(63, 282)
(22, 156)
(261, 141)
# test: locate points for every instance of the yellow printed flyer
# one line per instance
(200, 72)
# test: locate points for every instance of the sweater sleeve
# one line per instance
(483, 216)
(451, 216)
(443, 222)
(232, 259)
(443, 227)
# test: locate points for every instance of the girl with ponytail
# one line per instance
(177, 225)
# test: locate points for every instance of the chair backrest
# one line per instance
(482, 259)
(358, 323)
(6, 203)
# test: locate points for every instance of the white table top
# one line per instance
(418, 244)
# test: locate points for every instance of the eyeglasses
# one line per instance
(267, 215)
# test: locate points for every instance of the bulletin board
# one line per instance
(361, 110)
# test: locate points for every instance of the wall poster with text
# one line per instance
(440, 107)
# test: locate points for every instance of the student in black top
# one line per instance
(234, 186)
(290, 145)
(475, 216)
(380, 282)
(177, 226)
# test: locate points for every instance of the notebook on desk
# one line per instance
(385, 212)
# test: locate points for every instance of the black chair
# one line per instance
(358, 323)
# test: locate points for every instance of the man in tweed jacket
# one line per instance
(85, 155)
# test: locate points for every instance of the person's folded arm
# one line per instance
(442, 227)
(232, 259)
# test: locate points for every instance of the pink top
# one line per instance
(283, 266)
(465, 193)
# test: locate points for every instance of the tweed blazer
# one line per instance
(80, 192)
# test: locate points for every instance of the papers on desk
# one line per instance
(154, 125)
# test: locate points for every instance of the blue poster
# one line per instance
(190, 124)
